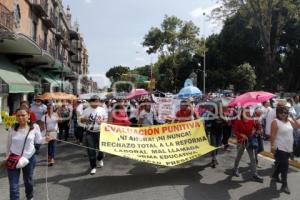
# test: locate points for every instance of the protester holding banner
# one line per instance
(50, 126)
(147, 116)
(93, 116)
(244, 129)
(185, 113)
(227, 126)
(216, 136)
(119, 115)
(21, 153)
(132, 113)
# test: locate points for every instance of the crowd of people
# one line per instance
(60, 121)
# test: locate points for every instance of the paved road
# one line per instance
(129, 180)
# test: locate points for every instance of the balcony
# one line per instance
(72, 50)
(60, 34)
(6, 18)
(65, 43)
(78, 45)
(40, 7)
(50, 21)
(42, 43)
(52, 51)
(76, 59)
(74, 35)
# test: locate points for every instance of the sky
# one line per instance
(113, 30)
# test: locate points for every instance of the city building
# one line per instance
(41, 50)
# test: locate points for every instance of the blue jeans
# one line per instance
(14, 176)
(51, 148)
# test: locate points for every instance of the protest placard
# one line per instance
(167, 145)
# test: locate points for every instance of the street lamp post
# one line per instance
(62, 60)
(204, 74)
(204, 58)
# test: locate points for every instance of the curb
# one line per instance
(293, 163)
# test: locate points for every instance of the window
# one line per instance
(45, 40)
(34, 30)
(17, 14)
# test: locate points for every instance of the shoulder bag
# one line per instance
(17, 161)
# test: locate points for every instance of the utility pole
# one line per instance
(204, 55)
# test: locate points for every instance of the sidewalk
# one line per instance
(3, 139)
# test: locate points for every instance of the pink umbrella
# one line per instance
(251, 98)
(136, 93)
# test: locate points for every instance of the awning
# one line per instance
(19, 43)
(37, 86)
(17, 83)
(47, 77)
(58, 67)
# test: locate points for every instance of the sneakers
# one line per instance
(258, 166)
(258, 179)
(100, 164)
(214, 163)
(284, 188)
(227, 148)
(236, 173)
(51, 163)
(93, 171)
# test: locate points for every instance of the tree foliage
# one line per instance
(270, 18)
(115, 73)
(176, 42)
(243, 78)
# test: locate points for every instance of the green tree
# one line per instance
(144, 70)
(270, 18)
(115, 73)
(174, 39)
(243, 78)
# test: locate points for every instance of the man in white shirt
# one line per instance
(92, 117)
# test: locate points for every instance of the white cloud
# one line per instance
(207, 27)
(198, 12)
(140, 59)
(88, 1)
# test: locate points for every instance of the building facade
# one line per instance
(42, 50)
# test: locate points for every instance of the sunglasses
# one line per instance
(284, 113)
